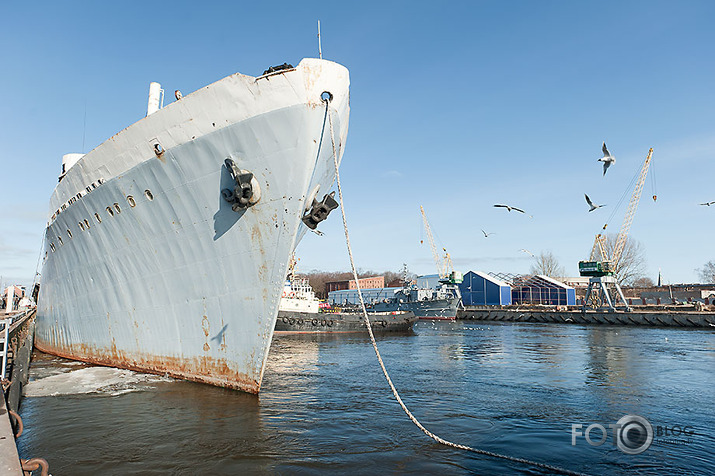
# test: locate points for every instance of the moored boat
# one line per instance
(166, 246)
(426, 303)
(300, 312)
(343, 322)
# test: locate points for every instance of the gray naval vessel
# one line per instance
(425, 303)
(167, 246)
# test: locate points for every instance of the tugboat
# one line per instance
(300, 312)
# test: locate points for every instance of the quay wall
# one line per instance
(652, 318)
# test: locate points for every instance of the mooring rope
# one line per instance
(419, 425)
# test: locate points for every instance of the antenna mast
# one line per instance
(320, 49)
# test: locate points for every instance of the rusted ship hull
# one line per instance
(149, 267)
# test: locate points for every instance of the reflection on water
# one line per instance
(325, 407)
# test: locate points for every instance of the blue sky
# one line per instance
(455, 106)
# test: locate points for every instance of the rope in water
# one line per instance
(419, 425)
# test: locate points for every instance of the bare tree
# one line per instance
(707, 272)
(631, 265)
(548, 264)
(643, 282)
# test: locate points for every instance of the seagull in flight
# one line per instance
(593, 207)
(607, 159)
(486, 235)
(509, 208)
(528, 252)
(707, 204)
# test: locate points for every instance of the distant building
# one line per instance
(11, 297)
(372, 282)
(428, 281)
(577, 282)
(370, 296)
(675, 293)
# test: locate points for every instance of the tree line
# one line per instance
(318, 279)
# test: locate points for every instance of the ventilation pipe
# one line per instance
(156, 98)
(68, 160)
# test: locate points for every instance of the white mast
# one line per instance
(320, 49)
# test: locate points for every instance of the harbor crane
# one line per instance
(445, 269)
(600, 267)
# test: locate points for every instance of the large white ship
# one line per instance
(167, 246)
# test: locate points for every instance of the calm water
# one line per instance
(325, 407)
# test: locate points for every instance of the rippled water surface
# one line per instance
(325, 407)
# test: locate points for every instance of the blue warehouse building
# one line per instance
(481, 289)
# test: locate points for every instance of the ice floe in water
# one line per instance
(104, 380)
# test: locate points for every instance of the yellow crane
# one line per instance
(599, 252)
(445, 269)
(600, 266)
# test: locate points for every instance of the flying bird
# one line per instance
(607, 159)
(528, 252)
(707, 204)
(509, 208)
(486, 235)
(590, 203)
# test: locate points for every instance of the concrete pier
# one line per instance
(21, 331)
(637, 317)
(9, 458)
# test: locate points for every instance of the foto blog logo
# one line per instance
(632, 434)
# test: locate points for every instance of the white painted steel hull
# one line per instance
(180, 283)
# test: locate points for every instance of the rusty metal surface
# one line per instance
(178, 283)
(30, 465)
(207, 370)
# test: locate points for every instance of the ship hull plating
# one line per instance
(155, 271)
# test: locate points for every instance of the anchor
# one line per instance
(246, 192)
(319, 211)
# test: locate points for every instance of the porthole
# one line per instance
(131, 201)
(88, 189)
(110, 211)
(79, 195)
(86, 223)
(69, 233)
(96, 216)
(116, 207)
(59, 238)
(52, 247)
(81, 226)
(149, 195)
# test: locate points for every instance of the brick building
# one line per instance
(372, 282)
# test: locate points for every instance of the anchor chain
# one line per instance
(30, 465)
(17, 418)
